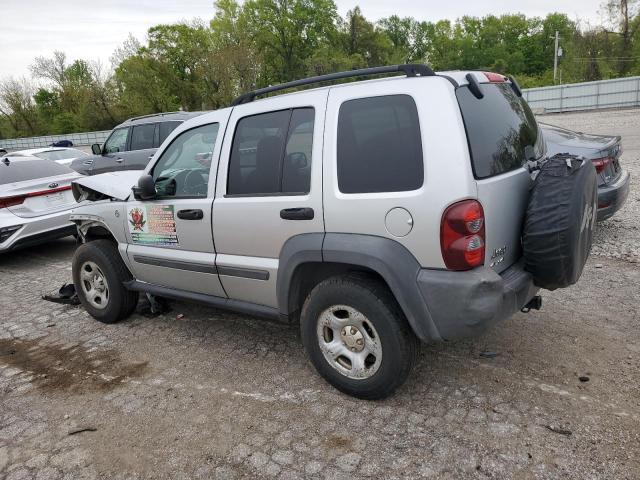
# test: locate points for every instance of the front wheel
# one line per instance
(98, 275)
(357, 337)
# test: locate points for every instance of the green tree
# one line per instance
(288, 32)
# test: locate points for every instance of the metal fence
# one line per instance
(620, 92)
(78, 139)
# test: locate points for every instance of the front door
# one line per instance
(269, 189)
(170, 238)
(111, 159)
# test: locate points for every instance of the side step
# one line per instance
(211, 300)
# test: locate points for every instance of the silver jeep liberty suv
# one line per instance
(378, 214)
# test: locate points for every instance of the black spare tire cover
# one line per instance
(559, 222)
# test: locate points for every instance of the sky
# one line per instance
(93, 29)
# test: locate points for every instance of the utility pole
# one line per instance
(555, 57)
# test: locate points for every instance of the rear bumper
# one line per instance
(463, 304)
(35, 230)
(612, 197)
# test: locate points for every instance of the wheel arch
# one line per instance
(307, 259)
(91, 227)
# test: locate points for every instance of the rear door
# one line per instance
(269, 190)
(502, 134)
(170, 238)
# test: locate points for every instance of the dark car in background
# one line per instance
(604, 151)
(131, 144)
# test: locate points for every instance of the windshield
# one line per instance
(501, 129)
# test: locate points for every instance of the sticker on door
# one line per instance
(153, 225)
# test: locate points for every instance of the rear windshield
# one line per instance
(502, 130)
(21, 170)
(60, 154)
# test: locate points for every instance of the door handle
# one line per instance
(300, 213)
(195, 214)
(119, 160)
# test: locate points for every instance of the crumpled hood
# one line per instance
(115, 185)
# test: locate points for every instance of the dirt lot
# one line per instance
(224, 396)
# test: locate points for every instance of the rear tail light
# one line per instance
(19, 199)
(462, 238)
(601, 163)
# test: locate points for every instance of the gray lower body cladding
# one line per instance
(438, 304)
(463, 304)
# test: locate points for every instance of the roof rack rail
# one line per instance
(153, 115)
(410, 70)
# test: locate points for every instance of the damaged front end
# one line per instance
(101, 212)
(107, 186)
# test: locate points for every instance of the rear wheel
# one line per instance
(99, 274)
(357, 337)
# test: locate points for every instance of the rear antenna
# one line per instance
(474, 86)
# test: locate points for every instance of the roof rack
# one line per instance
(410, 70)
(161, 114)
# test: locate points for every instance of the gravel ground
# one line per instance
(225, 396)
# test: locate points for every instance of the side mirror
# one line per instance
(146, 189)
(96, 149)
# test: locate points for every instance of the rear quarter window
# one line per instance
(501, 129)
(379, 145)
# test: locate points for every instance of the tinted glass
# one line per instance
(379, 145)
(501, 129)
(296, 169)
(184, 167)
(166, 128)
(142, 136)
(257, 152)
(21, 170)
(117, 141)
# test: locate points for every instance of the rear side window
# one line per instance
(166, 128)
(21, 170)
(501, 129)
(142, 136)
(379, 145)
(271, 153)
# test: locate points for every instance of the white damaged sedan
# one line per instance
(35, 201)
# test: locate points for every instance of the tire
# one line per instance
(388, 346)
(101, 258)
(560, 221)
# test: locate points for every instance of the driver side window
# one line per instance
(117, 141)
(184, 167)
